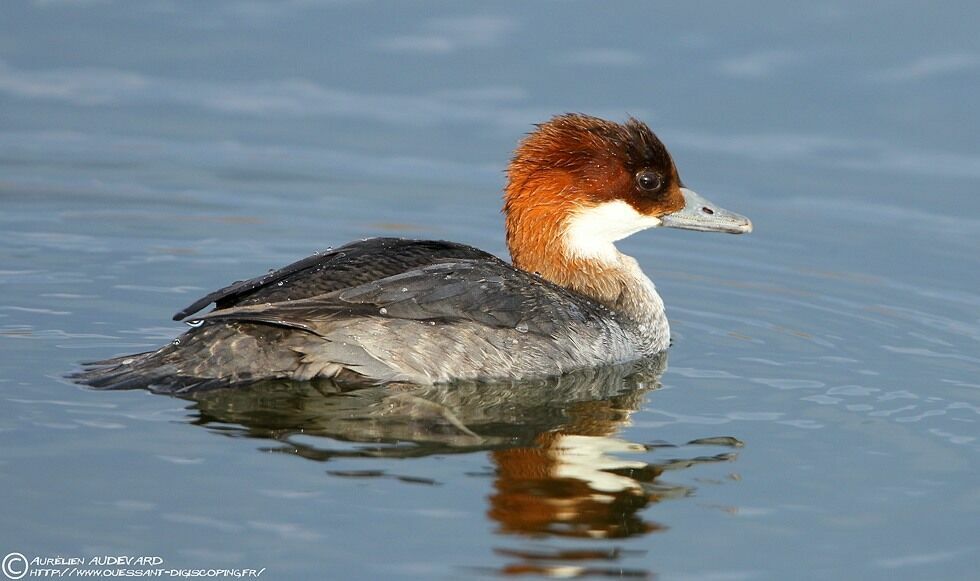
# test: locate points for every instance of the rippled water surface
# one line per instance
(816, 418)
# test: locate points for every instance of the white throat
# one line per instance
(590, 232)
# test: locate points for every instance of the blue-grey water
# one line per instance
(153, 151)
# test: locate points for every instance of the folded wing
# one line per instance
(490, 293)
(348, 266)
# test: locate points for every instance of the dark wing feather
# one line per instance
(348, 266)
(491, 293)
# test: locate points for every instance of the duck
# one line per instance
(394, 310)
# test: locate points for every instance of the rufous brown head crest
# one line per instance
(571, 163)
(575, 158)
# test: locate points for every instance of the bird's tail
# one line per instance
(216, 355)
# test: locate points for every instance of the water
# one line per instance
(152, 152)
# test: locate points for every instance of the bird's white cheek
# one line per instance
(591, 232)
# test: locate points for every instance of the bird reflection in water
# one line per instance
(559, 470)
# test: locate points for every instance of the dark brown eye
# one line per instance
(648, 181)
